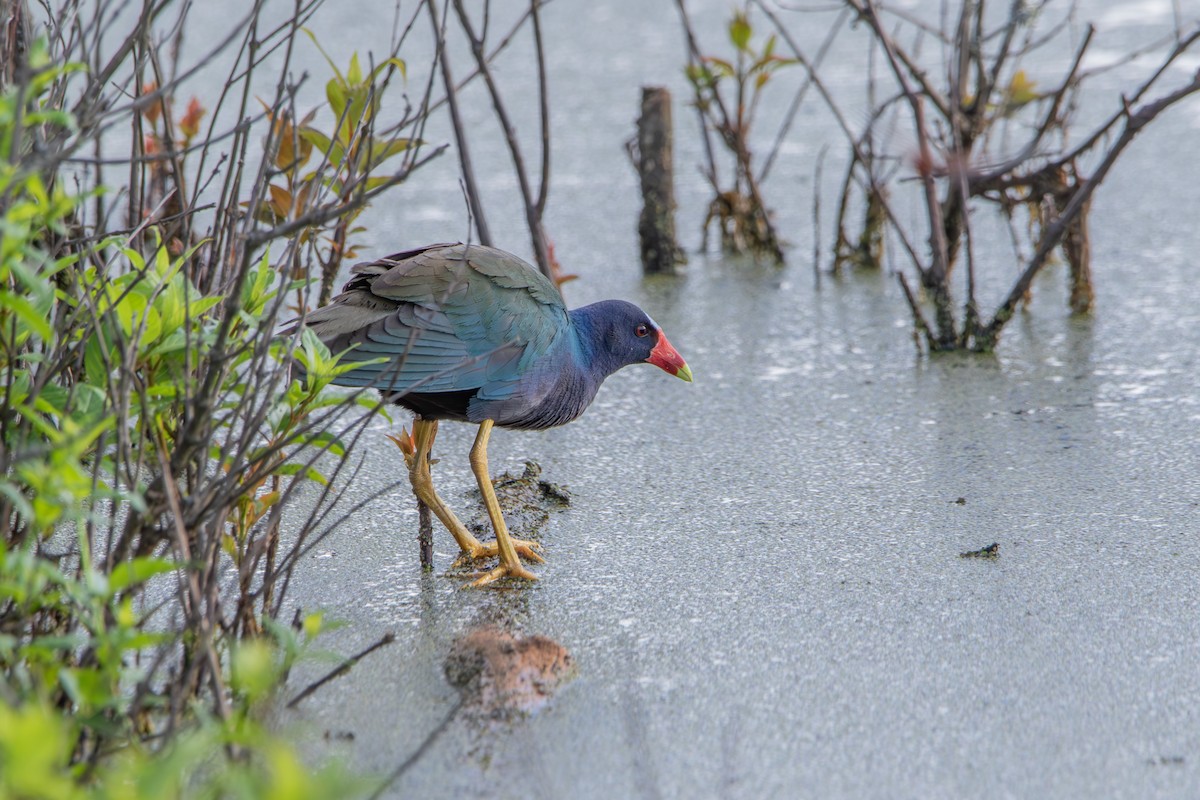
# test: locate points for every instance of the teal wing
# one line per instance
(447, 318)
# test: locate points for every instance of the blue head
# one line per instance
(615, 334)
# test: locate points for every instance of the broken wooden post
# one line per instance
(652, 158)
(1077, 248)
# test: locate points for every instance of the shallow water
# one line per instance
(759, 574)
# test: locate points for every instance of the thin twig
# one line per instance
(1135, 121)
(938, 269)
(543, 109)
(860, 153)
(533, 217)
(460, 130)
(918, 317)
(341, 669)
(798, 98)
(421, 750)
(817, 215)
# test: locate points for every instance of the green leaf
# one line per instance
(151, 326)
(375, 183)
(135, 258)
(141, 641)
(95, 372)
(312, 624)
(335, 92)
(70, 642)
(162, 261)
(739, 31)
(37, 281)
(51, 117)
(127, 310)
(724, 69)
(89, 687)
(769, 47)
(318, 140)
(52, 399)
(174, 342)
(201, 305)
(253, 671)
(137, 571)
(329, 442)
(90, 401)
(162, 391)
(300, 469)
(391, 62)
(36, 743)
(27, 313)
(381, 150)
(328, 60)
(255, 295)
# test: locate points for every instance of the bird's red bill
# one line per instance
(667, 358)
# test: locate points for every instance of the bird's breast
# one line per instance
(547, 398)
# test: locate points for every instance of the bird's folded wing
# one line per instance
(445, 320)
(423, 354)
(509, 272)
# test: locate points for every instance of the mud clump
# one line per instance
(526, 500)
(502, 676)
(991, 551)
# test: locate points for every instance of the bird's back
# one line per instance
(467, 332)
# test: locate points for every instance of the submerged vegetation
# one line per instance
(988, 138)
(727, 93)
(956, 128)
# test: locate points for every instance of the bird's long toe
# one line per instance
(525, 549)
(502, 571)
(528, 550)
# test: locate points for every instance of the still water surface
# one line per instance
(759, 574)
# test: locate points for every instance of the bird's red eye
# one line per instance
(642, 330)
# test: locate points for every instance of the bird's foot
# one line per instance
(407, 445)
(525, 549)
(502, 571)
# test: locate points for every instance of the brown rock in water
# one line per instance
(500, 674)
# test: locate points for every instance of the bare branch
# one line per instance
(1135, 121)
(532, 216)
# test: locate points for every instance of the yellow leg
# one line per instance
(510, 565)
(424, 431)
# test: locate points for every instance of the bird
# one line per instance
(474, 334)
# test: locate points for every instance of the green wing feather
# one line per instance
(450, 317)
